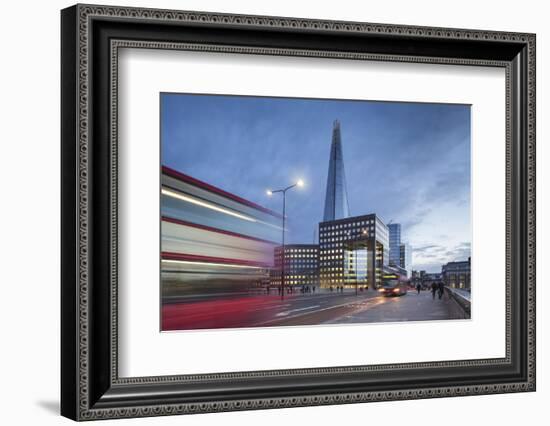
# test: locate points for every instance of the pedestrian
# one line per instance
(418, 287)
(434, 289)
(314, 289)
(440, 288)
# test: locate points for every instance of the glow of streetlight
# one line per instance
(269, 192)
(300, 183)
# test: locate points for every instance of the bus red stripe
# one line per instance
(217, 230)
(211, 259)
(188, 179)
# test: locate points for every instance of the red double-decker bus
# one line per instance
(394, 285)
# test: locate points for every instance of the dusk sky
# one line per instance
(406, 162)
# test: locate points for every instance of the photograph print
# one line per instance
(304, 212)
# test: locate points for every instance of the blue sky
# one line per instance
(406, 162)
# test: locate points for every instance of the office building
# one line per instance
(395, 243)
(301, 265)
(353, 252)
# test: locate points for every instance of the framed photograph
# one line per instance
(263, 212)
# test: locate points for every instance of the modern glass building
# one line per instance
(336, 198)
(395, 244)
(457, 274)
(301, 265)
(353, 252)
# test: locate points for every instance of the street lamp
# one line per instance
(299, 183)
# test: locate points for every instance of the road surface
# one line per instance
(262, 310)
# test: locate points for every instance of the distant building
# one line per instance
(395, 243)
(429, 278)
(416, 277)
(417, 274)
(405, 257)
(425, 279)
(353, 251)
(457, 274)
(301, 265)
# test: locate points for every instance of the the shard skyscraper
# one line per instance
(336, 199)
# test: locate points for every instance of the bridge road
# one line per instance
(411, 307)
(251, 310)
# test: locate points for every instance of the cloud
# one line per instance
(403, 161)
(432, 257)
(460, 252)
(428, 248)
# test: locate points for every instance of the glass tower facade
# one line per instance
(395, 244)
(336, 198)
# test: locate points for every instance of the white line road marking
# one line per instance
(285, 313)
(328, 308)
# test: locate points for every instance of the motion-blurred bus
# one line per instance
(213, 242)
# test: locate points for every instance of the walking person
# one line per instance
(434, 290)
(418, 287)
(441, 289)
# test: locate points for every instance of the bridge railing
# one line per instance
(460, 302)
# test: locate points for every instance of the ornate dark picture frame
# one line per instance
(90, 385)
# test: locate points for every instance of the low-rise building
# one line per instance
(425, 279)
(457, 274)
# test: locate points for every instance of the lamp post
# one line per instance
(270, 192)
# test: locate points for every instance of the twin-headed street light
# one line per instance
(299, 183)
